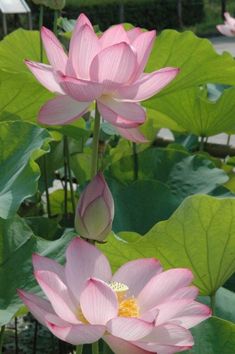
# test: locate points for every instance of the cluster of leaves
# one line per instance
(171, 203)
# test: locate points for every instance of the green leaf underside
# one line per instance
(21, 143)
(17, 244)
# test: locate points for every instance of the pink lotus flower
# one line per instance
(228, 29)
(108, 69)
(95, 210)
(138, 310)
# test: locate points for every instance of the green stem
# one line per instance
(56, 15)
(1, 338)
(40, 24)
(136, 162)
(105, 348)
(213, 303)
(44, 161)
(79, 349)
(95, 348)
(67, 156)
(228, 140)
(95, 147)
(201, 148)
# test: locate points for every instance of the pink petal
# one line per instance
(120, 346)
(80, 90)
(129, 328)
(61, 110)
(147, 85)
(133, 34)
(93, 190)
(132, 134)
(88, 262)
(163, 349)
(193, 314)
(75, 334)
(81, 21)
(45, 75)
(168, 334)
(229, 19)
(114, 65)
(188, 292)
(98, 302)
(83, 49)
(143, 45)
(37, 306)
(136, 274)
(121, 114)
(170, 309)
(114, 35)
(58, 295)
(162, 286)
(44, 263)
(54, 50)
(226, 30)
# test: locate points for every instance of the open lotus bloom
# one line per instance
(228, 29)
(95, 210)
(107, 69)
(140, 309)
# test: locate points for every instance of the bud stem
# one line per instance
(95, 348)
(79, 349)
(96, 133)
(2, 337)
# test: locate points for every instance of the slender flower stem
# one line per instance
(35, 337)
(95, 148)
(95, 348)
(201, 148)
(79, 349)
(44, 161)
(105, 348)
(1, 338)
(55, 28)
(213, 303)
(40, 24)
(67, 157)
(136, 162)
(16, 336)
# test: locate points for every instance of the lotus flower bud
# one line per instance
(95, 210)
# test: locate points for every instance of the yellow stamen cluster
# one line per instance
(127, 306)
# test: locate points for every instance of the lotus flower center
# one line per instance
(127, 305)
